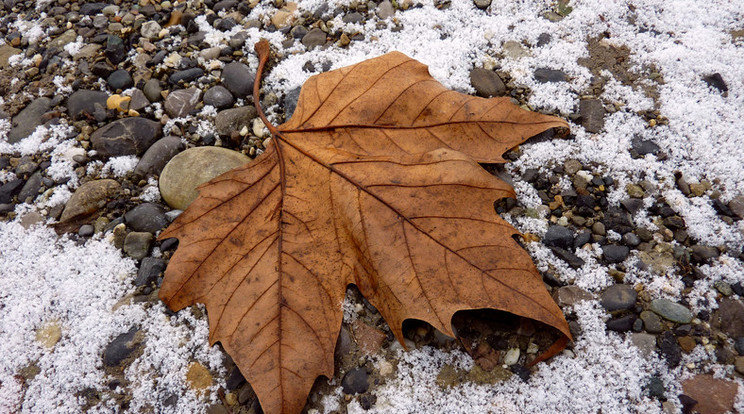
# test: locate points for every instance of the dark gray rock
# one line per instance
(234, 380)
(116, 50)
(152, 90)
(147, 217)
(86, 230)
(314, 38)
(487, 83)
(559, 236)
(238, 79)
(290, 102)
(621, 324)
(702, 254)
(224, 5)
(186, 75)
(582, 238)
(655, 388)
(230, 120)
(631, 240)
(89, 9)
(592, 115)
(355, 381)
(633, 205)
(120, 79)
(30, 190)
(298, 32)
(618, 297)
(127, 136)
(545, 75)
(543, 39)
(652, 322)
(614, 253)
(670, 349)
(219, 97)
(149, 270)
(640, 147)
(739, 345)
(120, 348)
(181, 102)
(353, 18)
(568, 257)
(10, 189)
(716, 81)
(82, 103)
(159, 153)
(139, 100)
(28, 119)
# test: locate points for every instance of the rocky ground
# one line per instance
(113, 113)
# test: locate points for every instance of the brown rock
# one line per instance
(571, 295)
(714, 396)
(731, 317)
(198, 377)
(687, 343)
(369, 338)
(90, 197)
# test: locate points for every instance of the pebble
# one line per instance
(739, 365)
(635, 191)
(592, 115)
(290, 102)
(159, 153)
(736, 205)
(487, 83)
(138, 100)
(28, 119)
(314, 38)
(618, 297)
(86, 230)
(599, 228)
(30, 190)
(646, 343)
(181, 102)
(193, 167)
(120, 79)
(356, 381)
(90, 9)
(83, 103)
(121, 347)
(559, 236)
(572, 166)
(574, 261)
(385, 9)
(631, 240)
(703, 254)
(716, 81)
(90, 197)
(149, 270)
(63, 40)
(147, 217)
(6, 51)
(152, 90)
(219, 97)
(731, 317)
(230, 120)
(137, 244)
(671, 311)
(150, 30)
(127, 136)
(10, 189)
(713, 395)
(614, 253)
(670, 349)
(186, 75)
(621, 324)
(482, 4)
(116, 50)
(238, 79)
(545, 75)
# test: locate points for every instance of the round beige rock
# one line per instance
(193, 167)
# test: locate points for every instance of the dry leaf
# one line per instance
(374, 181)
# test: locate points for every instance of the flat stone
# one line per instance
(622, 323)
(149, 270)
(646, 343)
(28, 119)
(64, 39)
(592, 115)
(559, 236)
(147, 217)
(181, 102)
(89, 9)
(90, 197)
(515, 50)
(49, 334)
(198, 377)
(618, 297)
(614, 253)
(10, 189)
(138, 100)
(640, 147)
(187, 75)
(6, 51)
(290, 101)
(159, 153)
(703, 253)
(354, 17)
(83, 103)
(571, 295)
(369, 338)
(314, 38)
(137, 244)
(671, 311)
(193, 167)
(127, 136)
(731, 317)
(233, 120)
(574, 261)
(713, 395)
(238, 79)
(121, 347)
(487, 83)
(545, 75)
(219, 97)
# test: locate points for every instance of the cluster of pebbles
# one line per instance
(143, 81)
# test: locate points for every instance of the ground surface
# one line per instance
(635, 219)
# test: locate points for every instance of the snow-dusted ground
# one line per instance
(79, 288)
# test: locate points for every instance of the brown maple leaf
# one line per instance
(374, 181)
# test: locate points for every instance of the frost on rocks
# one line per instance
(33, 295)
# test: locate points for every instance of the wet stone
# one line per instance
(146, 217)
(238, 79)
(355, 381)
(82, 103)
(618, 297)
(186, 75)
(152, 90)
(614, 253)
(559, 236)
(181, 102)
(137, 244)
(671, 311)
(127, 136)
(120, 79)
(219, 97)
(149, 270)
(574, 261)
(120, 348)
(621, 324)
(234, 119)
(670, 349)
(545, 75)
(235, 379)
(28, 119)
(487, 83)
(159, 153)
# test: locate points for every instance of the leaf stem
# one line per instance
(263, 50)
